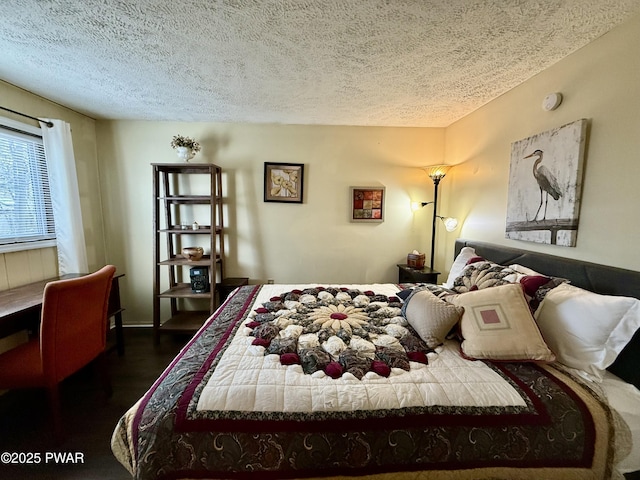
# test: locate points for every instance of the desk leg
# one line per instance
(115, 310)
(119, 333)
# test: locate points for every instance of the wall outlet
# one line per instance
(270, 281)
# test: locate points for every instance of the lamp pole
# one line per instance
(436, 181)
(436, 173)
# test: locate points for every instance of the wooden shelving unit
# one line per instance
(175, 209)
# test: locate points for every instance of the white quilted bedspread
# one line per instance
(247, 380)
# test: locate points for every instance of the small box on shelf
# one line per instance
(415, 260)
(199, 279)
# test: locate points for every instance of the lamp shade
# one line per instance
(437, 172)
(450, 224)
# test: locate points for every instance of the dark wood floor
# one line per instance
(88, 415)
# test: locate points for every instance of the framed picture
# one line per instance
(367, 204)
(545, 186)
(283, 182)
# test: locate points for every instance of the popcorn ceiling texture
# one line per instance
(419, 63)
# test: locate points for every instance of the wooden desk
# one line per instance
(20, 308)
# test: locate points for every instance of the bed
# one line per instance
(405, 381)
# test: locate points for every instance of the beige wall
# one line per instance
(289, 243)
(20, 268)
(599, 82)
(314, 241)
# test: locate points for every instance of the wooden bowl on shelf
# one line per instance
(192, 253)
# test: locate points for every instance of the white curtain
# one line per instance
(65, 197)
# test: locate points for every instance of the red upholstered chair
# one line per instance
(73, 331)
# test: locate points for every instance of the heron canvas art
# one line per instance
(545, 183)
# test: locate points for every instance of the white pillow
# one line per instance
(586, 330)
(625, 399)
(459, 263)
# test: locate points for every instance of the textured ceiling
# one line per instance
(334, 62)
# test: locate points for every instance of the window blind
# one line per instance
(26, 215)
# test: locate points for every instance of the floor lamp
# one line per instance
(437, 173)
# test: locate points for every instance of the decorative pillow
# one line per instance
(523, 270)
(404, 294)
(430, 317)
(475, 260)
(458, 265)
(586, 330)
(536, 288)
(497, 325)
(531, 283)
(483, 274)
(438, 290)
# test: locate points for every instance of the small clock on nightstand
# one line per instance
(407, 274)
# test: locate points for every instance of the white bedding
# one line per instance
(625, 399)
(247, 380)
(288, 390)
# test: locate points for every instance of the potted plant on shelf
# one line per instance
(185, 147)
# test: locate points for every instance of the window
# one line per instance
(26, 214)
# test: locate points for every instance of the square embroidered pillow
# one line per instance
(430, 317)
(587, 330)
(497, 325)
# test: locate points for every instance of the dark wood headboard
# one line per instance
(590, 276)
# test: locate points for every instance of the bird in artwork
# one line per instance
(546, 181)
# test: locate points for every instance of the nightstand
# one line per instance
(228, 285)
(407, 274)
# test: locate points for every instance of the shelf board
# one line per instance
(187, 199)
(189, 231)
(185, 322)
(183, 290)
(205, 261)
(187, 167)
